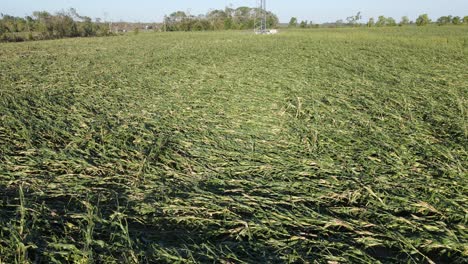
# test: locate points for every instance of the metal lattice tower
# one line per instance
(261, 14)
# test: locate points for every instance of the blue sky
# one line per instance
(312, 10)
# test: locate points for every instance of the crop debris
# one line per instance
(318, 146)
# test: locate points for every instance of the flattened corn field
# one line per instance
(319, 146)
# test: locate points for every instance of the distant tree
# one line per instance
(2, 28)
(371, 22)
(423, 20)
(272, 20)
(404, 21)
(30, 23)
(216, 19)
(312, 25)
(228, 23)
(44, 23)
(339, 23)
(381, 21)
(465, 20)
(293, 22)
(9, 23)
(87, 28)
(354, 20)
(240, 18)
(73, 13)
(61, 24)
(390, 21)
(64, 25)
(303, 24)
(357, 17)
(198, 26)
(457, 20)
(70, 24)
(350, 20)
(21, 24)
(444, 20)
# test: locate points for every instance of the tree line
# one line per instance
(382, 21)
(239, 18)
(445, 20)
(65, 24)
(44, 25)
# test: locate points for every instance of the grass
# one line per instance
(320, 146)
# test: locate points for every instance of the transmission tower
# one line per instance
(261, 15)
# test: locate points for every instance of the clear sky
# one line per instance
(312, 10)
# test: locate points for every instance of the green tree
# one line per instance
(44, 23)
(293, 22)
(339, 23)
(423, 20)
(444, 20)
(64, 25)
(371, 22)
(2, 28)
(354, 20)
(465, 20)
(381, 21)
(9, 22)
(404, 21)
(228, 23)
(390, 21)
(87, 28)
(240, 18)
(216, 19)
(303, 24)
(175, 21)
(21, 24)
(457, 20)
(30, 23)
(272, 20)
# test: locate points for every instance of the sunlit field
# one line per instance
(309, 146)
